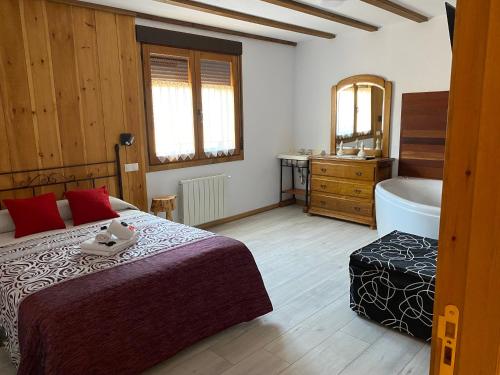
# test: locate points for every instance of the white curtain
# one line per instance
(173, 120)
(345, 113)
(218, 119)
(364, 110)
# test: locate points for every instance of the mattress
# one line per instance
(65, 312)
(392, 282)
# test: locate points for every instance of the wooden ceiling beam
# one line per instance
(400, 10)
(172, 21)
(322, 13)
(215, 29)
(224, 12)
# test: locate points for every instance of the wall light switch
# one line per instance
(132, 167)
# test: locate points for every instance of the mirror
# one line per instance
(361, 111)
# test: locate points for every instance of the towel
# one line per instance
(104, 236)
(92, 246)
(121, 230)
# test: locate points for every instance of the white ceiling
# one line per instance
(351, 8)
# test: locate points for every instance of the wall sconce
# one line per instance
(126, 139)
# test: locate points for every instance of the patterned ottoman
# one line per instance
(392, 282)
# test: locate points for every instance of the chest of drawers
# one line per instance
(344, 189)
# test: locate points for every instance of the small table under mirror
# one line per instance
(343, 183)
(361, 115)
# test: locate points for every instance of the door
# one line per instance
(468, 274)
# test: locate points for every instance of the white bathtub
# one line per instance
(411, 205)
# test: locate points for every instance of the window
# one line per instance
(364, 110)
(346, 103)
(356, 117)
(193, 107)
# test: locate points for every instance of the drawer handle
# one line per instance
(357, 209)
(323, 186)
(323, 203)
(357, 191)
(323, 170)
(359, 174)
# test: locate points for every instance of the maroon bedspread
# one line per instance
(128, 318)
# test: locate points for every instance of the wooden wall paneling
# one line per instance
(5, 166)
(423, 134)
(66, 85)
(85, 38)
(39, 63)
(89, 79)
(43, 93)
(111, 88)
(25, 178)
(5, 181)
(15, 93)
(134, 121)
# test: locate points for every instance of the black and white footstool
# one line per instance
(392, 282)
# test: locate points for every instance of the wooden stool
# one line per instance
(164, 204)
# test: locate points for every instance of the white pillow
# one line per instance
(6, 223)
(119, 205)
(64, 210)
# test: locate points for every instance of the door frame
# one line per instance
(468, 266)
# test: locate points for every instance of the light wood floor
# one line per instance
(304, 263)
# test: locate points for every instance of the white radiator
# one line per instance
(203, 199)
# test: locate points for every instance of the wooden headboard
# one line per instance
(424, 117)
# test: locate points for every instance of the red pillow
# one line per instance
(90, 205)
(34, 215)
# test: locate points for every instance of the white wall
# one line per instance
(416, 57)
(286, 98)
(268, 71)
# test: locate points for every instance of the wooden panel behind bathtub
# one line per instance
(423, 134)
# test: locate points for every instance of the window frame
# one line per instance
(194, 57)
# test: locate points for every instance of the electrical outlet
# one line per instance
(134, 167)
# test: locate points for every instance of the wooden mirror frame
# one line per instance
(386, 126)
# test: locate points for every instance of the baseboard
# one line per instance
(287, 202)
(245, 214)
(300, 202)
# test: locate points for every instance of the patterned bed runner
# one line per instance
(30, 266)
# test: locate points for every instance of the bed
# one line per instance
(64, 312)
(392, 282)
